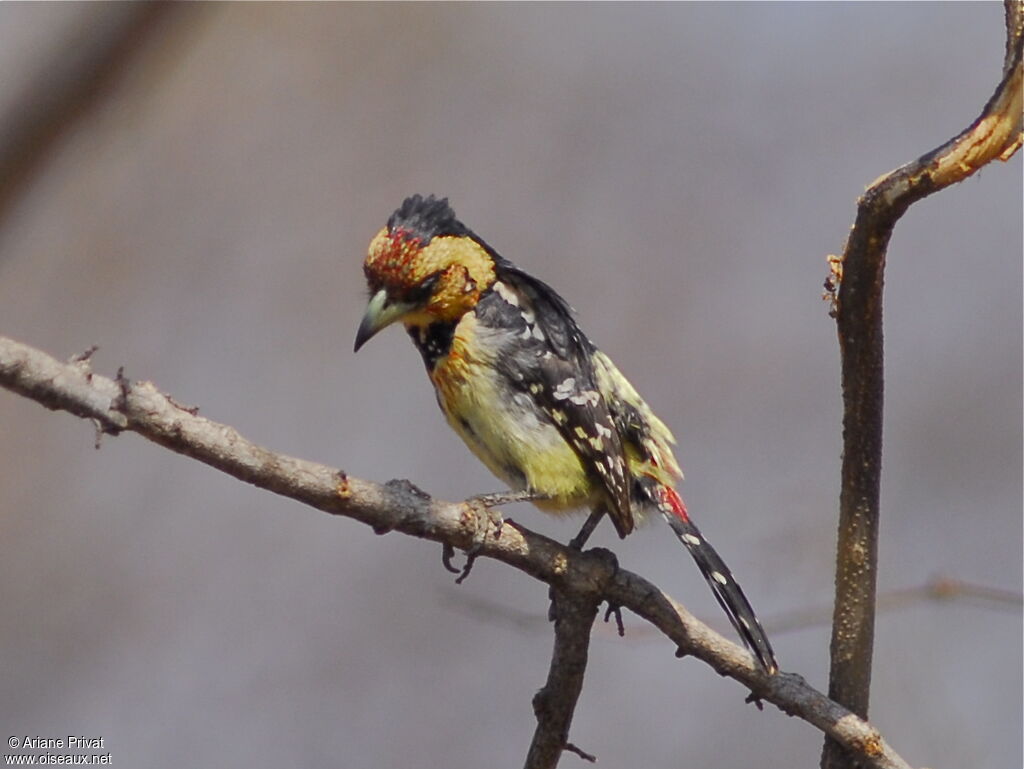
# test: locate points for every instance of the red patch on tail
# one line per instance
(674, 504)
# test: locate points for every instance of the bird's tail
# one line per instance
(725, 587)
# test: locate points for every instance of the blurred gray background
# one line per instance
(679, 173)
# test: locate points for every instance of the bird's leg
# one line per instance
(487, 501)
(577, 542)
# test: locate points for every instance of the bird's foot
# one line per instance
(485, 517)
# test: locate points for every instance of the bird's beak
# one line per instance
(381, 312)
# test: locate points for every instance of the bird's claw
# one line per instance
(447, 553)
(484, 518)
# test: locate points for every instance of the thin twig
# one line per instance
(399, 506)
(555, 704)
(938, 589)
(995, 134)
(74, 82)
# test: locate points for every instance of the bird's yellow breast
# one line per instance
(502, 426)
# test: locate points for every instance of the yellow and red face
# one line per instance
(419, 282)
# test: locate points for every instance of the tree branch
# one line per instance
(555, 703)
(118, 405)
(82, 72)
(858, 310)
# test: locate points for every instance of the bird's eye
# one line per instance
(426, 287)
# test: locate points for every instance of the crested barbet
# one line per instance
(528, 392)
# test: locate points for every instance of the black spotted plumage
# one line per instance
(553, 314)
(551, 361)
(433, 341)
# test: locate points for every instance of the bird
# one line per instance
(528, 392)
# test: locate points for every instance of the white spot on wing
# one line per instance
(507, 294)
(719, 578)
(691, 539)
(583, 398)
(565, 389)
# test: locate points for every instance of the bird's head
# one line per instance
(424, 267)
